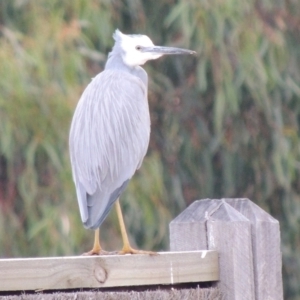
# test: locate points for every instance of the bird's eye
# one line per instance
(138, 47)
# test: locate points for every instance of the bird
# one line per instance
(110, 131)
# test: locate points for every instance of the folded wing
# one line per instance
(109, 138)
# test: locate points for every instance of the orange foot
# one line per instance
(130, 250)
(96, 252)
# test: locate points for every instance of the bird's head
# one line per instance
(136, 49)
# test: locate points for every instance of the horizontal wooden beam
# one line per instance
(107, 271)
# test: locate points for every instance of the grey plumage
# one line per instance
(107, 150)
(110, 129)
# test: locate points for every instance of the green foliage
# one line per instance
(224, 124)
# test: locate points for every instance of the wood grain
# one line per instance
(218, 226)
(108, 271)
(267, 260)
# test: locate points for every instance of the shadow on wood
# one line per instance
(157, 294)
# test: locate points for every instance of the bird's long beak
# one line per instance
(166, 50)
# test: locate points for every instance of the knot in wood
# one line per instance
(100, 274)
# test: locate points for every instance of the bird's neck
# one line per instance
(115, 62)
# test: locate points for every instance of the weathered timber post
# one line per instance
(247, 239)
(266, 249)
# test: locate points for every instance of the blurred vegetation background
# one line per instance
(224, 123)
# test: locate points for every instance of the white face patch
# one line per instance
(132, 56)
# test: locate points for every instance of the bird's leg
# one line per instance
(97, 250)
(127, 249)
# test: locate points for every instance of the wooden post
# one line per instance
(243, 234)
(266, 249)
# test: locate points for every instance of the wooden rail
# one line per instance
(107, 271)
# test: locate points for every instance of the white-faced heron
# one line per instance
(110, 131)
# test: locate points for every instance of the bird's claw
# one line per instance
(94, 252)
(130, 250)
(124, 251)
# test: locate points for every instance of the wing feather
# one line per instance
(109, 138)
